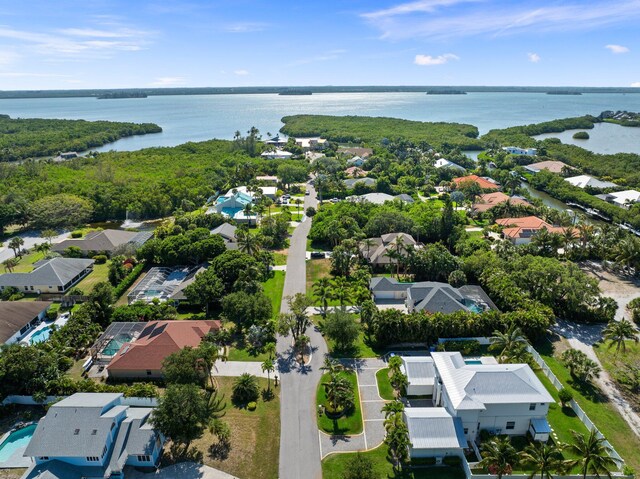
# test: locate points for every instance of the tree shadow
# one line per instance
(219, 451)
(588, 390)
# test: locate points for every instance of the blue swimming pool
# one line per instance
(16, 440)
(473, 361)
(40, 336)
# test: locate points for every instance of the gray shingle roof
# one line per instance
(382, 283)
(226, 230)
(53, 272)
(435, 297)
(351, 182)
(104, 240)
(14, 315)
(434, 428)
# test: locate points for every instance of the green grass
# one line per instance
(334, 466)
(273, 289)
(238, 352)
(385, 389)
(99, 274)
(25, 264)
(350, 423)
(603, 414)
(361, 349)
(280, 259)
(616, 362)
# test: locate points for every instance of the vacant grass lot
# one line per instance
(595, 404)
(616, 363)
(334, 466)
(350, 423)
(273, 289)
(255, 437)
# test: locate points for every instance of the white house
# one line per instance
(315, 143)
(514, 150)
(93, 435)
(584, 181)
(276, 155)
(623, 199)
(444, 163)
(434, 432)
(269, 191)
(17, 318)
(420, 372)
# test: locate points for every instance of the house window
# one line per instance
(31, 287)
(148, 372)
(60, 288)
(532, 406)
(511, 425)
(93, 459)
(144, 459)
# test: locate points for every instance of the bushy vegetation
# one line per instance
(373, 130)
(22, 138)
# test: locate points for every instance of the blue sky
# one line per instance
(63, 44)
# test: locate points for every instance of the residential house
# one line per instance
(489, 200)
(405, 198)
(375, 198)
(355, 172)
(162, 283)
(431, 296)
(514, 150)
(103, 241)
(228, 233)
(623, 199)
(551, 166)
(67, 155)
(434, 432)
(355, 161)
(484, 182)
(315, 143)
(444, 163)
(379, 251)
(93, 436)
(17, 318)
(267, 179)
(233, 207)
(56, 275)
(522, 230)
(586, 181)
(268, 191)
(277, 141)
(356, 151)
(143, 357)
(365, 181)
(276, 155)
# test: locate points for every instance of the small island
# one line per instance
(581, 135)
(117, 95)
(563, 92)
(446, 92)
(295, 92)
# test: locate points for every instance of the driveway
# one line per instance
(238, 368)
(299, 447)
(30, 239)
(183, 470)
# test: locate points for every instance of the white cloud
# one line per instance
(245, 27)
(635, 84)
(241, 73)
(428, 60)
(168, 81)
(617, 49)
(533, 57)
(435, 19)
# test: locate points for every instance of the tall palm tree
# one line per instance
(248, 243)
(627, 252)
(397, 439)
(617, 332)
(9, 264)
(322, 289)
(512, 182)
(392, 407)
(248, 211)
(268, 367)
(498, 456)
(568, 239)
(510, 344)
(542, 458)
(341, 291)
(16, 245)
(594, 456)
(367, 244)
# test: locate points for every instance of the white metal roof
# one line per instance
(420, 370)
(434, 428)
(582, 181)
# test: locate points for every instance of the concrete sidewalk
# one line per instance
(238, 368)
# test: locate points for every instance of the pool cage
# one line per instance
(159, 283)
(109, 342)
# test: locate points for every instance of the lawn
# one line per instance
(239, 352)
(316, 269)
(25, 264)
(616, 363)
(273, 289)
(595, 404)
(334, 465)
(350, 423)
(99, 274)
(361, 349)
(255, 437)
(279, 259)
(385, 389)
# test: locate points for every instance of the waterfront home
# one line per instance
(586, 181)
(444, 163)
(431, 296)
(18, 318)
(142, 357)
(356, 151)
(482, 394)
(276, 155)
(268, 191)
(228, 233)
(522, 230)
(277, 141)
(514, 150)
(93, 435)
(233, 207)
(624, 199)
(489, 200)
(103, 241)
(551, 166)
(315, 143)
(483, 182)
(56, 275)
(364, 181)
(379, 251)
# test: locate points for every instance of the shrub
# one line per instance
(358, 467)
(128, 280)
(76, 234)
(452, 460)
(252, 406)
(581, 135)
(245, 389)
(467, 347)
(100, 258)
(565, 396)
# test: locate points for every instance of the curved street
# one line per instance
(299, 446)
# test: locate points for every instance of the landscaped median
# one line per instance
(385, 389)
(343, 422)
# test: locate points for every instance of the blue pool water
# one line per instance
(115, 344)
(41, 335)
(16, 440)
(473, 361)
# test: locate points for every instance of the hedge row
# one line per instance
(128, 280)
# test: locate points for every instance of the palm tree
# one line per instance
(617, 332)
(16, 245)
(498, 456)
(627, 252)
(397, 439)
(542, 458)
(594, 456)
(9, 264)
(248, 243)
(322, 289)
(42, 248)
(210, 353)
(512, 181)
(392, 407)
(341, 291)
(510, 344)
(248, 211)
(368, 243)
(569, 239)
(268, 366)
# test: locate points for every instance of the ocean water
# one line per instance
(603, 138)
(201, 117)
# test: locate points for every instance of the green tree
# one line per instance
(248, 243)
(359, 467)
(247, 309)
(182, 414)
(184, 367)
(618, 332)
(245, 389)
(498, 456)
(9, 264)
(322, 290)
(61, 210)
(392, 407)
(342, 328)
(397, 439)
(16, 244)
(339, 392)
(341, 291)
(593, 455)
(579, 365)
(510, 345)
(207, 288)
(268, 366)
(542, 458)
(297, 320)
(49, 234)
(100, 303)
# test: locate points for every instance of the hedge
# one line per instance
(128, 280)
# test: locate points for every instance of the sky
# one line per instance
(70, 44)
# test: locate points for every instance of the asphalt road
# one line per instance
(299, 445)
(30, 239)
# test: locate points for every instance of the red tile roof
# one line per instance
(526, 226)
(489, 200)
(484, 183)
(158, 340)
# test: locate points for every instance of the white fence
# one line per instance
(125, 401)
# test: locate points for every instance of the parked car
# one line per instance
(306, 193)
(317, 255)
